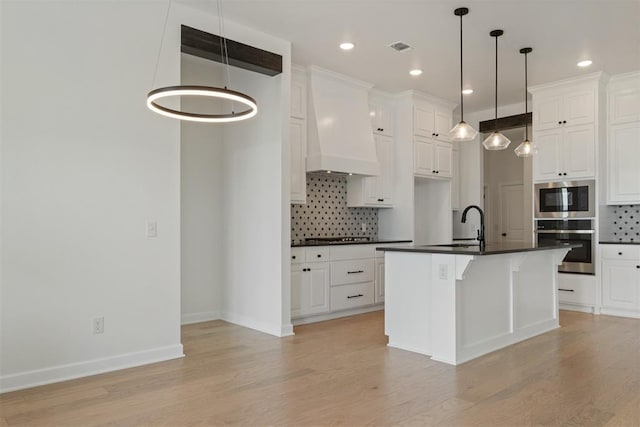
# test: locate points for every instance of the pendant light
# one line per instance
(462, 131)
(249, 108)
(526, 147)
(496, 141)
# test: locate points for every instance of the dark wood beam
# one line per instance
(206, 45)
(504, 123)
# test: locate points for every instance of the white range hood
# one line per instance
(340, 138)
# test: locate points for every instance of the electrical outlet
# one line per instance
(98, 325)
(443, 271)
(152, 229)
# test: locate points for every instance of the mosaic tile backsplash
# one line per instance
(620, 223)
(326, 213)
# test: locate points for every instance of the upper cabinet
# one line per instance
(375, 191)
(567, 123)
(623, 139)
(298, 136)
(382, 115)
(431, 121)
(432, 159)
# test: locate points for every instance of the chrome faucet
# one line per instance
(480, 237)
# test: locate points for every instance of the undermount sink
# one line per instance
(459, 245)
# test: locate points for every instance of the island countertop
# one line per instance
(474, 249)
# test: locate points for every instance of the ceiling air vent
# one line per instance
(400, 46)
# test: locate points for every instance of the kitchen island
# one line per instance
(458, 302)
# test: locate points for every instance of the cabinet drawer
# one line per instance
(340, 253)
(317, 254)
(627, 252)
(297, 255)
(349, 296)
(577, 290)
(354, 271)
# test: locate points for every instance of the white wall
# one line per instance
(201, 199)
(84, 167)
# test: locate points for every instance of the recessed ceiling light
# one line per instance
(467, 91)
(346, 46)
(415, 72)
(585, 63)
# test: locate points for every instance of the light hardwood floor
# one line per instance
(341, 373)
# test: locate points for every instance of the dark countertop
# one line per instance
(368, 242)
(615, 242)
(490, 249)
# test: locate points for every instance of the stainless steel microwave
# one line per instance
(565, 199)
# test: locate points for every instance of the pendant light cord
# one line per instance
(526, 99)
(495, 123)
(461, 68)
(224, 51)
(164, 30)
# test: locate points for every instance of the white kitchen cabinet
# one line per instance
(298, 144)
(379, 280)
(310, 289)
(621, 280)
(375, 190)
(567, 124)
(623, 163)
(298, 136)
(566, 109)
(623, 139)
(431, 121)
(382, 116)
(432, 158)
(455, 180)
(565, 153)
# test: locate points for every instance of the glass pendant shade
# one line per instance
(463, 132)
(525, 149)
(496, 141)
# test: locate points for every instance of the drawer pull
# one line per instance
(566, 290)
(355, 272)
(354, 296)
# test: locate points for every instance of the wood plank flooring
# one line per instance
(340, 372)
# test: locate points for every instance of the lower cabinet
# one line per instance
(310, 288)
(621, 280)
(379, 282)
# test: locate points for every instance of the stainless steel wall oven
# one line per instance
(579, 260)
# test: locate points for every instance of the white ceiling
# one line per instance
(561, 32)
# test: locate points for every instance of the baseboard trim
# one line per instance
(336, 314)
(72, 371)
(275, 330)
(620, 313)
(203, 316)
(575, 307)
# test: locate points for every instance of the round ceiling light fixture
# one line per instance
(584, 63)
(467, 91)
(202, 91)
(347, 46)
(416, 72)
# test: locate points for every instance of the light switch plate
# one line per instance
(443, 271)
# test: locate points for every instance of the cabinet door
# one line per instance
(455, 180)
(444, 163)
(623, 152)
(624, 104)
(620, 284)
(578, 152)
(424, 120)
(423, 159)
(578, 107)
(298, 144)
(382, 117)
(379, 281)
(386, 180)
(547, 112)
(309, 289)
(442, 126)
(298, 97)
(547, 163)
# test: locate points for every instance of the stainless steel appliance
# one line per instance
(565, 199)
(579, 260)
